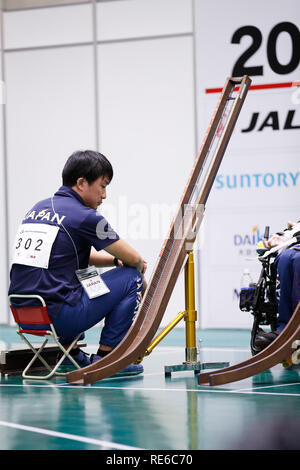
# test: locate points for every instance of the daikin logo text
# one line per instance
(250, 239)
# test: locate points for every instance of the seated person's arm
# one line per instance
(281, 237)
(101, 259)
(124, 252)
(273, 241)
(121, 250)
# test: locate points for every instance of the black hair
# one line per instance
(87, 164)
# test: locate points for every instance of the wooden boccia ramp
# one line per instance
(277, 352)
(179, 241)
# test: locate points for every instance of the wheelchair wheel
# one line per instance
(255, 331)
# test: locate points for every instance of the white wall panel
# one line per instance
(48, 26)
(3, 264)
(139, 18)
(147, 131)
(22, 4)
(50, 113)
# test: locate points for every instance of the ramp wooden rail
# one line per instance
(279, 350)
(181, 236)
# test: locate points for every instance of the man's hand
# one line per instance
(144, 267)
(274, 241)
(144, 285)
(278, 239)
(125, 253)
(291, 224)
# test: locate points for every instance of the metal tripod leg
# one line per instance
(190, 317)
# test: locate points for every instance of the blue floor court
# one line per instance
(148, 411)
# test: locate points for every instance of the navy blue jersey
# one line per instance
(80, 228)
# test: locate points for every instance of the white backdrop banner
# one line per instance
(258, 182)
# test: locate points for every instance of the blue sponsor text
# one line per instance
(257, 180)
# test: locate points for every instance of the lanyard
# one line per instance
(66, 231)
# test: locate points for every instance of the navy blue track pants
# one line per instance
(118, 308)
(288, 284)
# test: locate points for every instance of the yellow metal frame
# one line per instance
(189, 315)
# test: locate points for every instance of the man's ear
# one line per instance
(80, 183)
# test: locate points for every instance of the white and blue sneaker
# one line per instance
(82, 359)
(132, 369)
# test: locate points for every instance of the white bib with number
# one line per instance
(33, 244)
(92, 282)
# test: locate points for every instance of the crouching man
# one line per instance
(60, 243)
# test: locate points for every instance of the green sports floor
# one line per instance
(150, 411)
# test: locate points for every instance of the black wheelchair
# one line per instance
(260, 298)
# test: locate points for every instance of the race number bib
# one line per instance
(33, 244)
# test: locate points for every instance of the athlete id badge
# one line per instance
(92, 282)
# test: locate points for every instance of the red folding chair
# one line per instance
(38, 315)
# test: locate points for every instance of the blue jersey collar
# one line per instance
(69, 192)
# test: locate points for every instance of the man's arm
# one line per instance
(124, 252)
(292, 230)
(121, 250)
(101, 259)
